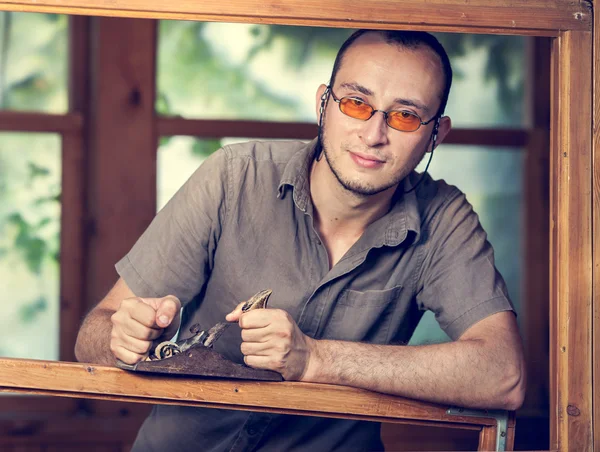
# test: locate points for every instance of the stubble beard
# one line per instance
(358, 187)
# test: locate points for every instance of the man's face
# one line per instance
(368, 157)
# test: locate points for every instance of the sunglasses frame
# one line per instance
(373, 111)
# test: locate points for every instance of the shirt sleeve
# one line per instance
(175, 255)
(459, 280)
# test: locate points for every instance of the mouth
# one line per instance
(366, 160)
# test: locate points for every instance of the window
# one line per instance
(33, 81)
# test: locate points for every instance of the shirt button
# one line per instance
(252, 431)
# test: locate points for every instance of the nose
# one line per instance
(375, 130)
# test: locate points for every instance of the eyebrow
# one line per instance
(398, 100)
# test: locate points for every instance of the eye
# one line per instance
(356, 102)
(407, 114)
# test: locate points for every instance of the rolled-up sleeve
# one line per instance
(175, 255)
(459, 281)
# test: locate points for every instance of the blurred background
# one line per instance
(102, 120)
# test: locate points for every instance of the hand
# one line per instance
(139, 322)
(273, 341)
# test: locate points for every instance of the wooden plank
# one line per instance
(571, 250)
(201, 128)
(73, 210)
(122, 146)
(14, 121)
(487, 438)
(596, 228)
(110, 383)
(507, 16)
(72, 222)
(554, 258)
(535, 308)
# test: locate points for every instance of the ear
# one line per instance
(443, 129)
(319, 101)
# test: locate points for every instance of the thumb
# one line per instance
(167, 310)
(234, 315)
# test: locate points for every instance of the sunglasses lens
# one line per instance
(355, 108)
(405, 121)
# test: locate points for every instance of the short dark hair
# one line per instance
(407, 39)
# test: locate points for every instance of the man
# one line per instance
(355, 246)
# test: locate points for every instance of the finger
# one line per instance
(127, 356)
(234, 315)
(259, 318)
(256, 334)
(125, 325)
(256, 348)
(138, 310)
(168, 309)
(134, 345)
(260, 362)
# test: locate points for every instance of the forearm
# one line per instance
(93, 340)
(467, 373)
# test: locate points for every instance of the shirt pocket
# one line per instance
(363, 316)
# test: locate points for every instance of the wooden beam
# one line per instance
(14, 121)
(537, 17)
(122, 146)
(536, 213)
(201, 128)
(571, 244)
(110, 383)
(596, 229)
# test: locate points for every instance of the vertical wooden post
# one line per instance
(122, 146)
(571, 244)
(487, 438)
(72, 240)
(537, 220)
(596, 228)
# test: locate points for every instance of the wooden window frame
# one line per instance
(574, 161)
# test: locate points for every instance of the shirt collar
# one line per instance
(390, 230)
(295, 175)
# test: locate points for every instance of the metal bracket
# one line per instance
(501, 417)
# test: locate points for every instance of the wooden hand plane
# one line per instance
(195, 356)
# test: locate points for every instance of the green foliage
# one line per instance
(190, 65)
(301, 42)
(32, 248)
(29, 311)
(203, 148)
(504, 63)
(33, 65)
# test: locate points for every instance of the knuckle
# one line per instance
(144, 347)
(116, 318)
(284, 334)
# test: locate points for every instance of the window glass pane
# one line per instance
(271, 72)
(30, 175)
(33, 62)
(492, 179)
